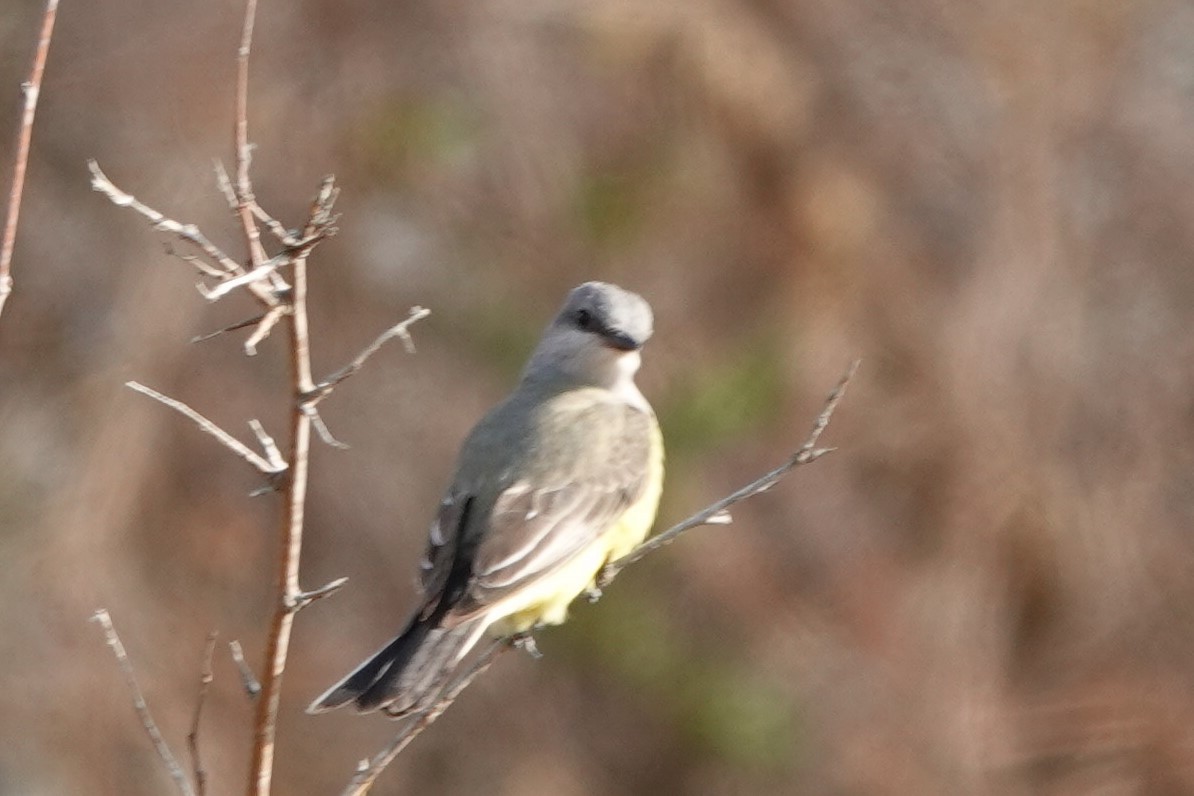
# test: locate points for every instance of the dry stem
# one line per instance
(289, 595)
(249, 680)
(269, 467)
(151, 727)
(399, 330)
(161, 222)
(205, 680)
(228, 267)
(32, 89)
(370, 770)
(716, 513)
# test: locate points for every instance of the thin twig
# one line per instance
(369, 771)
(228, 285)
(716, 513)
(202, 338)
(326, 590)
(321, 428)
(284, 236)
(32, 90)
(195, 262)
(188, 232)
(267, 295)
(249, 680)
(205, 678)
(151, 728)
(244, 152)
(399, 330)
(224, 183)
(264, 327)
(267, 468)
(268, 445)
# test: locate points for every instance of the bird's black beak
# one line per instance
(616, 338)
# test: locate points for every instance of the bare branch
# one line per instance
(267, 324)
(202, 338)
(400, 330)
(808, 451)
(247, 678)
(279, 231)
(304, 599)
(32, 90)
(321, 206)
(716, 513)
(266, 295)
(267, 468)
(195, 262)
(151, 728)
(268, 269)
(290, 597)
(244, 152)
(369, 771)
(321, 428)
(251, 234)
(294, 489)
(268, 445)
(228, 285)
(188, 232)
(205, 679)
(284, 236)
(224, 182)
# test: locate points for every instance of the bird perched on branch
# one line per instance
(557, 480)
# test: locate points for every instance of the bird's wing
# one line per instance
(541, 521)
(443, 542)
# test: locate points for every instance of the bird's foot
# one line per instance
(526, 642)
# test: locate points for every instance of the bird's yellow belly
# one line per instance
(546, 602)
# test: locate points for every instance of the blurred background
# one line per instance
(987, 589)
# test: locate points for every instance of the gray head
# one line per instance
(595, 338)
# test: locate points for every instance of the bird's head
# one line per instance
(596, 337)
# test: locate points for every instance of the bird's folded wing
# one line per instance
(533, 529)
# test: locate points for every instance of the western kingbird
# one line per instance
(558, 479)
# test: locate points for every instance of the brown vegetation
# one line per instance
(985, 590)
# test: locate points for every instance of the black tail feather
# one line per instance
(405, 675)
(393, 656)
(416, 687)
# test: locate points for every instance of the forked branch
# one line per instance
(269, 467)
(399, 330)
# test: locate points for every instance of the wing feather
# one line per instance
(555, 512)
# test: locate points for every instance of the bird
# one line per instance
(554, 482)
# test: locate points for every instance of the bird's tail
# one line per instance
(406, 675)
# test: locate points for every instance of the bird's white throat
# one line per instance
(627, 364)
